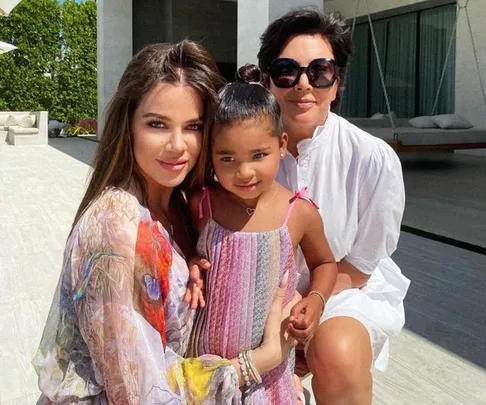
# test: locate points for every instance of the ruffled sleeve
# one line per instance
(381, 204)
(118, 276)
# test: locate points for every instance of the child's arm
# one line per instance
(195, 288)
(322, 265)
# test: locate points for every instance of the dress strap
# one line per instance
(298, 195)
(207, 197)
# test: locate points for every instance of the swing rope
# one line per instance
(375, 48)
(380, 70)
(475, 53)
(345, 80)
(449, 51)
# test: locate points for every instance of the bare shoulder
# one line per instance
(307, 212)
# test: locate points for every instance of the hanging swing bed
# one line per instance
(404, 137)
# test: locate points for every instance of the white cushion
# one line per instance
(3, 119)
(425, 121)
(380, 116)
(451, 121)
(12, 121)
(26, 121)
(23, 131)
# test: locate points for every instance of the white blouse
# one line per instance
(356, 180)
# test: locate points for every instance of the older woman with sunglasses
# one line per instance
(356, 180)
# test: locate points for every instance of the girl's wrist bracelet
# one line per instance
(320, 295)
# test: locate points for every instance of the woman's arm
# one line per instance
(349, 277)
(381, 202)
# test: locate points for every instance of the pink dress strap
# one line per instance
(207, 197)
(298, 195)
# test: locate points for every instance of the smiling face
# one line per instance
(246, 157)
(303, 106)
(167, 131)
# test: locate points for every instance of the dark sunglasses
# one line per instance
(286, 72)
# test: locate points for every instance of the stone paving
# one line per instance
(40, 189)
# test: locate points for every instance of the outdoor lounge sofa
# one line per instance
(23, 127)
(404, 137)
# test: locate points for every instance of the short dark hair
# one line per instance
(307, 21)
(247, 99)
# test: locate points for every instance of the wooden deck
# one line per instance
(446, 195)
(440, 357)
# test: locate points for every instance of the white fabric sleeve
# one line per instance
(381, 202)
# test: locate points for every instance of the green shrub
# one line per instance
(54, 67)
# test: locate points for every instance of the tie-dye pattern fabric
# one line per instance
(246, 268)
(118, 325)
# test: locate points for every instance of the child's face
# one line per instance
(246, 156)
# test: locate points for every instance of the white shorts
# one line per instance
(378, 306)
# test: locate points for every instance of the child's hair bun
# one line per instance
(249, 73)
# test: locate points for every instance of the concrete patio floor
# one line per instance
(440, 358)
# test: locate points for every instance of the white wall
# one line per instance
(347, 7)
(469, 100)
(114, 48)
(254, 16)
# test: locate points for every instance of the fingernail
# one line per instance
(284, 280)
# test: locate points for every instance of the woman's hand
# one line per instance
(195, 288)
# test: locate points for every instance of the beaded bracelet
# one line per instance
(254, 370)
(249, 369)
(243, 368)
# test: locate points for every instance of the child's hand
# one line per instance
(304, 317)
(195, 286)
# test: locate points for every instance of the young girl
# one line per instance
(250, 228)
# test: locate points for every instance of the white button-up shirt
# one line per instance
(356, 180)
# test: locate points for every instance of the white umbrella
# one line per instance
(4, 47)
(6, 6)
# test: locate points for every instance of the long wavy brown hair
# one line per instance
(114, 164)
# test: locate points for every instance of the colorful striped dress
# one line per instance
(246, 268)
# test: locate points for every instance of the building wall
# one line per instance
(469, 99)
(114, 51)
(152, 22)
(214, 22)
(348, 7)
(254, 17)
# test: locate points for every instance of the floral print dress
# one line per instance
(118, 325)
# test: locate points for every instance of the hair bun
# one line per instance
(249, 73)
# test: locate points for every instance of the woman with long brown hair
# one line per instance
(118, 325)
